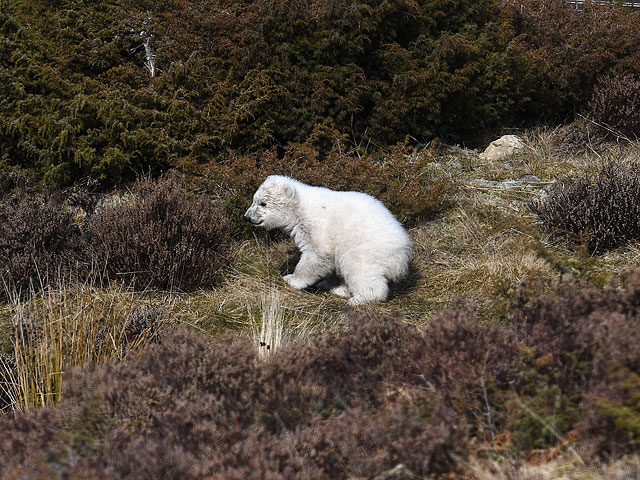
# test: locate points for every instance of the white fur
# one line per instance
(348, 234)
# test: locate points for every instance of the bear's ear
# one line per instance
(289, 190)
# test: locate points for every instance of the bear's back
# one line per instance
(355, 217)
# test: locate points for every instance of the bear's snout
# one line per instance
(247, 216)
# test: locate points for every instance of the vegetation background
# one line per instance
(132, 137)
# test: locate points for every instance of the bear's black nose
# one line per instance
(246, 217)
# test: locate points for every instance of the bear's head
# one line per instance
(273, 204)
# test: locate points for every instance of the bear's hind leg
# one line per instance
(367, 289)
(364, 276)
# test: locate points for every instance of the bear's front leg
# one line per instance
(309, 270)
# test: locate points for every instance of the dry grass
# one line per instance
(67, 326)
(561, 468)
(258, 272)
(464, 255)
(269, 336)
(479, 250)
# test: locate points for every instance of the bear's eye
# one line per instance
(263, 204)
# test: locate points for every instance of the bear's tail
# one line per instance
(399, 270)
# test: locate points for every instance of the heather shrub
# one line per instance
(406, 441)
(191, 407)
(602, 209)
(615, 105)
(39, 240)
(579, 348)
(376, 397)
(611, 413)
(84, 195)
(471, 364)
(162, 238)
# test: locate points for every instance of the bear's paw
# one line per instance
(295, 282)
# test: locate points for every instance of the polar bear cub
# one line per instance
(350, 235)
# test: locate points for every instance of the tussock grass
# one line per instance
(269, 336)
(62, 327)
(279, 326)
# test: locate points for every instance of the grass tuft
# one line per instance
(269, 336)
(62, 327)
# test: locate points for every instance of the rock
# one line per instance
(530, 179)
(505, 145)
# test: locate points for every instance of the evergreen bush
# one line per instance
(77, 99)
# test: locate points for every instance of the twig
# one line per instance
(486, 397)
(610, 129)
(150, 56)
(551, 429)
(291, 445)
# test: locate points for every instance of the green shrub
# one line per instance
(161, 238)
(78, 100)
(542, 419)
(561, 52)
(602, 210)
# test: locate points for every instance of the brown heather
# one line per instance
(615, 106)
(162, 238)
(585, 346)
(380, 396)
(39, 239)
(602, 209)
(192, 408)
